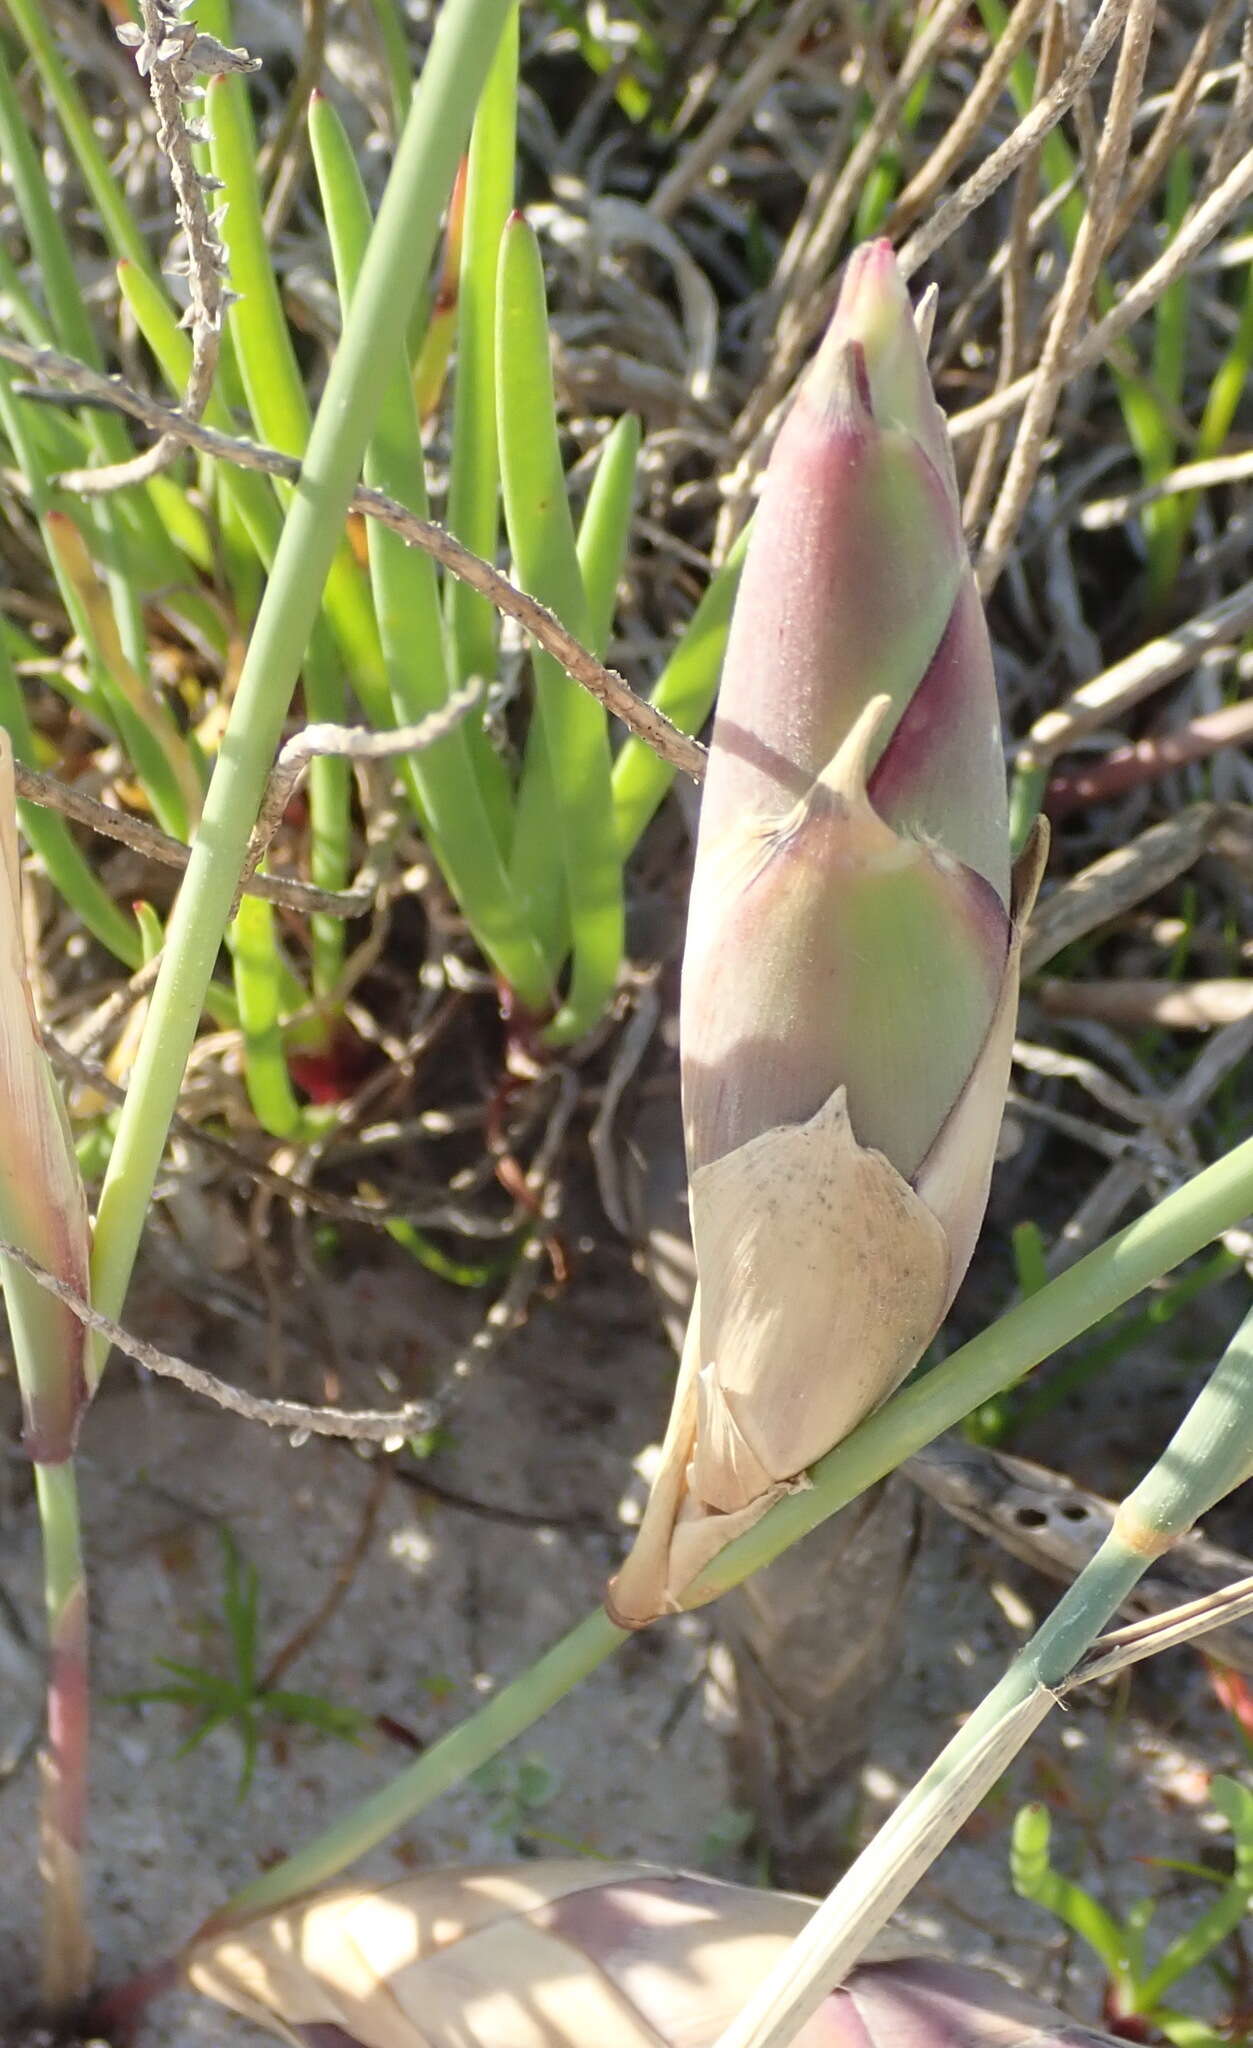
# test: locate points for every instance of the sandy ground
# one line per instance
(449, 1602)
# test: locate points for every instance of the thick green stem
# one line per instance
(1175, 1230)
(66, 1961)
(445, 1764)
(400, 250)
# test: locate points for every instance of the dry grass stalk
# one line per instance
(1050, 373)
(172, 55)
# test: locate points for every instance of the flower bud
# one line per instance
(851, 968)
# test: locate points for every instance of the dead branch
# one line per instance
(364, 1425)
(173, 55)
(609, 688)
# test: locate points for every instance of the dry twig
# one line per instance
(345, 742)
(1127, 767)
(171, 54)
(1152, 160)
(1129, 681)
(964, 131)
(1050, 373)
(1127, 875)
(149, 840)
(1193, 238)
(1172, 1005)
(363, 1425)
(1073, 79)
(609, 688)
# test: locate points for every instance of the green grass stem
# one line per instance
(1180, 1225)
(400, 250)
(65, 1967)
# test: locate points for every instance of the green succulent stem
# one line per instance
(1180, 1226)
(445, 783)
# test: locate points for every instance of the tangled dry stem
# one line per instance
(609, 688)
(173, 56)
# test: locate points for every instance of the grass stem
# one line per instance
(1093, 1288)
(399, 253)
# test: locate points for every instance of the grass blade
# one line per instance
(122, 230)
(156, 746)
(248, 500)
(605, 528)
(255, 955)
(132, 540)
(439, 331)
(50, 837)
(280, 410)
(391, 27)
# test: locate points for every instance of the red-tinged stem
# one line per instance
(66, 1963)
(116, 2013)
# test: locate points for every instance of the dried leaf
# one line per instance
(42, 1204)
(578, 1955)
(823, 1277)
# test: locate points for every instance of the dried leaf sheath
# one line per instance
(851, 969)
(43, 1209)
(42, 1204)
(578, 1955)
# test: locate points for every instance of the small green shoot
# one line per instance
(1138, 1988)
(238, 1697)
(518, 1788)
(458, 1272)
